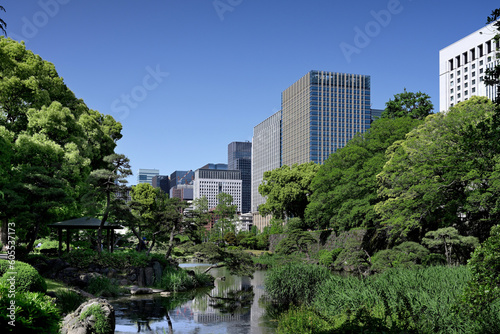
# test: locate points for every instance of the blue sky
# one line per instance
(187, 77)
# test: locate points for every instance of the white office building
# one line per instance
(211, 182)
(146, 175)
(462, 67)
(266, 156)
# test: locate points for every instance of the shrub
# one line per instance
(174, 279)
(303, 320)
(26, 277)
(327, 258)
(67, 300)
(103, 286)
(484, 287)
(34, 312)
(294, 283)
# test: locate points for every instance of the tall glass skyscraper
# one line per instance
(239, 157)
(321, 112)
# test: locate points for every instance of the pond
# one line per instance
(235, 305)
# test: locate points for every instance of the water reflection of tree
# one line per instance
(235, 301)
(144, 310)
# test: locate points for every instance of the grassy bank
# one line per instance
(396, 301)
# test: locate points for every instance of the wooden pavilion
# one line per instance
(84, 223)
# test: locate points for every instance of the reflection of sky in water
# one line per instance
(199, 315)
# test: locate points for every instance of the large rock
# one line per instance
(72, 324)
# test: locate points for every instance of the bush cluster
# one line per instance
(122, 259)
(26, 277)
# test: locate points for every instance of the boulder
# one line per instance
(72, 324)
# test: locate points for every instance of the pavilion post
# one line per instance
(67, 240)
(59, 234)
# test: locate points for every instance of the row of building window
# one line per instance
(470, 55)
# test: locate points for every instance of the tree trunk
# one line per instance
(103, 221)
(213, 266)
(34, 237)
(171, 242)
(4, 232)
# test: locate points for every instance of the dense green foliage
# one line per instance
(178, 279)
(409, 104)
(434, 179)
(483, 289)
(102, 286)
(120, 259)
(50, 141)
(26, 277)
(34, 312)
(287, 190)
(294, 283)
(344, 191)
(396, 301)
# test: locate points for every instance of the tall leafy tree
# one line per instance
(414, 105)
(344, 191)
(436, 178)
(287, 190)
(38, 110)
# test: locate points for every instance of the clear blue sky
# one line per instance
(187, 77)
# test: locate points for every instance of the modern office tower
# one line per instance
(146, 175)
(210, 182)
(181, 184)
(162, 182)
(266, 155)
(321, 112)
(376, 113)
(462, 67)
(239, 157)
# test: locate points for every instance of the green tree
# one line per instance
(50, 142)
(437, 178)
(238, 262)
(453, 244)
(287, 190)
(414, 105)
(296, 240)
(224, 212)
(344, 191)
(102, 200)
(484, 287)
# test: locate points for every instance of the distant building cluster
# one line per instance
(319, 114)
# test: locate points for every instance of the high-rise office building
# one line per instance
(213, 179)
(181, 185)
(321, 112)
(239, 157)
(266, 156)
(462, 67)
(162, 182)
(146, 175)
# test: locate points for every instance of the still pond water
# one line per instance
(235, 305)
